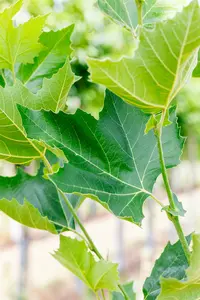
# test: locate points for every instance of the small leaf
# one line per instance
(24, 192)
(187, 289)
(179, 211)
(26, 214)
(110, 160)
(19, 44)
(152, 78)
(154, 120)
(171, 263)
(128, 289)
(50, 60)
(75, 256)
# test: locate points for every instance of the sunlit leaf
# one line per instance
(50, 60)
(125, 11)
(153, 77)
(128, 288)
(110, 159)
(75, 256)
(19, 44)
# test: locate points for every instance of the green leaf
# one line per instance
(26, 214)
(125, 11)
(196, 72)
(158, 70)
(14, 145)
(75, 256)
(171, 263)
(154, 120)
(189, 289)
(19, 44)
(128, 289)
(50, 60)
(24, 192)
(178, 211)
(110, 160)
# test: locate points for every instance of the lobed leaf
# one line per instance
(171, 263)
(152, 78)
(50, 60)
(19, 44)
(35, 202)
(75, 256)
(188, 289)
(110, 160)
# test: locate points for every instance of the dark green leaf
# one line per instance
(35, 191)
(110, 159)
(171, 263)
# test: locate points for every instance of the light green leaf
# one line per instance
(153, 77)
(75, 256)
(171, 263)
(50, 60)
(154, 120)
(196, 72)
(178, 211)
(128, 289)
(189, 289)
(110, 160)
(125, 11)
(26, 214)
(24, 193)
(19, 44)
(14, 145)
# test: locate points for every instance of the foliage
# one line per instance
(114, 160)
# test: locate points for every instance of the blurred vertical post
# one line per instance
(120, 244)
(23, 271)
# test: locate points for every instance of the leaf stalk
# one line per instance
(173, 219)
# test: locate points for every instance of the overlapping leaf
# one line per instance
(171, 263)
(50, 60)
(152, 78)
(125, 11)
(14, 145)
(75, 256)
(19, 44)
(110, 159)
(184, 290)
(34, 202)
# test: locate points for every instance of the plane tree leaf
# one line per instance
(19, 44)
(172, 288)
(158, 70)
(35, 202)
(171, 263)
(111, 160)
(50, 60)
(26, 214)
(14, 145)
(75, 256)
(125, 11)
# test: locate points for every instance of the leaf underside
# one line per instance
(156, 73)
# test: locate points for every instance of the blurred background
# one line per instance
(27, 269)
